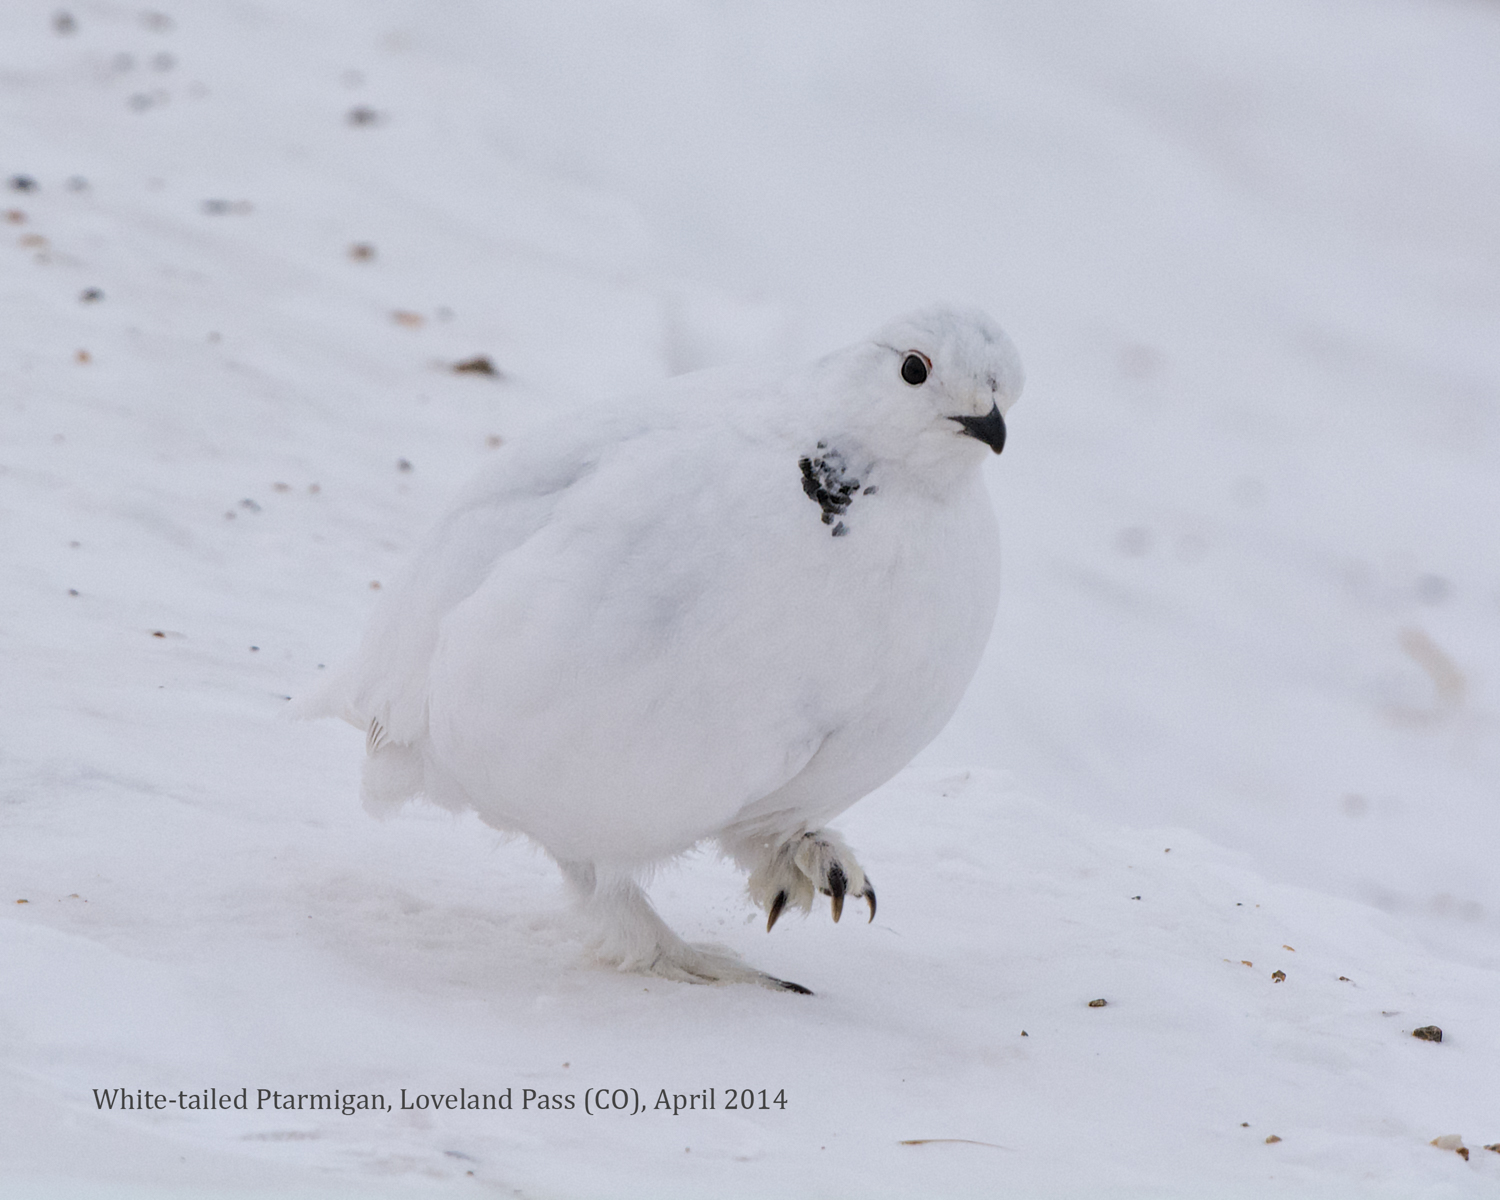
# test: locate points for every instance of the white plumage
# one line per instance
(726, 610)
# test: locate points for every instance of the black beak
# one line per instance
(989, 429)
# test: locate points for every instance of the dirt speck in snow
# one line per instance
(478, 365)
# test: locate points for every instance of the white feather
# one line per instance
(637, 631)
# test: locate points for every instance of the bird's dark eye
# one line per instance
(914, 369)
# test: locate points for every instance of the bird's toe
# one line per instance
(777, 905)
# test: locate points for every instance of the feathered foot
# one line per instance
(791, 873)
(625, 932)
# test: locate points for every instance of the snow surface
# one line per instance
(1245, 668)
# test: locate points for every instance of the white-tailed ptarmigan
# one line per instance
(726, 610)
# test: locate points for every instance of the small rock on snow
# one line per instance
(478, 365)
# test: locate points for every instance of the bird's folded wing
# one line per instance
(385, 683)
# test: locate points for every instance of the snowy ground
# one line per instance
(1242, 696)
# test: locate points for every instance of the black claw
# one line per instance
(837, 886)
(870, 896)
(776, 906)
(788, 986)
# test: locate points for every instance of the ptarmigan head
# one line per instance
(929, 390)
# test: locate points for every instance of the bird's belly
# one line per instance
(624, 713)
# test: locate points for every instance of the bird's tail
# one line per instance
(393, 774)
(394, 770)
(332, 699)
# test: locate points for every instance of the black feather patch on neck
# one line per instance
(828, 484)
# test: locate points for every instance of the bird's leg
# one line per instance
(788, 873)
(625, 932)
(581, 878)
